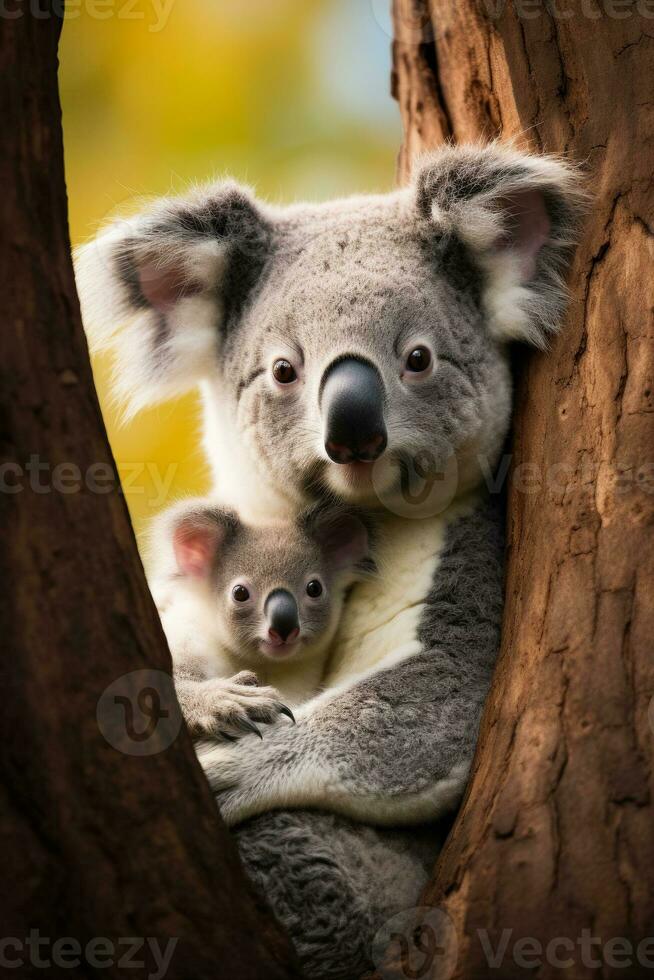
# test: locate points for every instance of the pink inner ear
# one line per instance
(528, 228)
(194, 550)
(164, 284)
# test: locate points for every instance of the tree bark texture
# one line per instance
(556, 834)
(95, 841)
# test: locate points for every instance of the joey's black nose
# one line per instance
(352, 405)
(282, 616)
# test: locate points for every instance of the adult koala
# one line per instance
(356, 349)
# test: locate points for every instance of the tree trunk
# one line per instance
(555, 839)
(107, 826)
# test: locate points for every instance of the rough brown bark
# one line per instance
(94, 842)
(556, 835)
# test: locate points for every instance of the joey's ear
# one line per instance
(518, 214)
(161, 287)
(343, 535)
(192, 534)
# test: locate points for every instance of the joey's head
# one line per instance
(357, 347)
(276, 591)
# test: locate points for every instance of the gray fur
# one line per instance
(264, 558)
(333, 883)
(203, 552)
(466, 259)
(475, 193)
(331, 291)
(401, 730)
(225, 708)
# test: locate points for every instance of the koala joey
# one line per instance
(243, 604)
(356, 350)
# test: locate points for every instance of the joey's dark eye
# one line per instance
(314, 589)
(240, 593)
(284, 372)
(418, 360)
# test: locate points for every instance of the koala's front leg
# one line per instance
(252, 776)
(228, 708)
(392, 749)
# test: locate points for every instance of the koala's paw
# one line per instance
(229, 708)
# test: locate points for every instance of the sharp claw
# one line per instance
(249, 726)
(228, 737)
(283, 710)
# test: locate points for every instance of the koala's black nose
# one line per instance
(352, 403)
(282, 614)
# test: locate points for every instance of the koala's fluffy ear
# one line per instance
(344, 536)
(161, 286)
(189, 536)
(518, 214)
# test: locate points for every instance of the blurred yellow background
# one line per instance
(291, 96)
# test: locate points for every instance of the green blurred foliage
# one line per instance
(291, 96)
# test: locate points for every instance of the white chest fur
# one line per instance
(381, 618)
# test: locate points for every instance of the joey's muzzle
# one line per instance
(282, 616)
(352, 406)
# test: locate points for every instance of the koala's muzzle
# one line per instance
(282, 616)
(352, 404)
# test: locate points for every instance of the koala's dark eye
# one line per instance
(418, 360)
(314, 589)
(284, 372)
(240, 593)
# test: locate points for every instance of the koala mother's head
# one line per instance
(350, 347)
